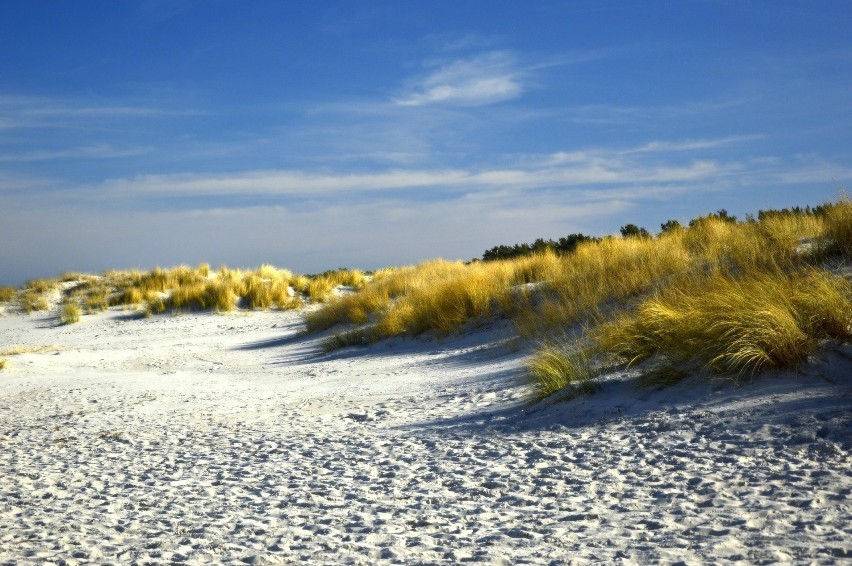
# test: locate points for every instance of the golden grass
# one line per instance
(7, 294)
(437, 295)
(3, 364)
(19, 349)
(32, 301)
(579, 288)
(735, 298)
(734, 326)
(70, 313)
(41, 285)
(320, 288)
(838, 227)
(561, 367)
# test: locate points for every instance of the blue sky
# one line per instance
(315, 135)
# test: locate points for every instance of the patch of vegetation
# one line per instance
(561, 367)
(20, 349)
(70, 313)
(7, 294)
(718, 294)
(733, 326)
(32, 301)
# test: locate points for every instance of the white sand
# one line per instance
(204, 438)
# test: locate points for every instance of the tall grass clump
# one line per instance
(320, 288)
(41, 285)
(31, 301)
(70, 313)
(595, 276)
(736, 326)
(561, 367)
(7, 294)
(438, 296)
(838, 227)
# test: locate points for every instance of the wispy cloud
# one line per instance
(20, 112)
(302, 184)
(691, 145)
(485, 79)
(88, 152)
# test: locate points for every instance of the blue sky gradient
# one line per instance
(314, 135)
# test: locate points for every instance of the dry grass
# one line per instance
(7, 294)
(32, 301)
(3, 364)
(41, 285)
(320, 288)
(838, 227)
(561, 367)
(734, 326)
(185, 288)
(19, 349)
(70, 313)
(735, 298)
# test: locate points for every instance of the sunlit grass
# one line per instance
(734, 326)
(731, 297)
(70, 313)
(7, 294)
(838, 227)
(31, 301)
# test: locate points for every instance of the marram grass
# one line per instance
(7, 294)
(733, 298)
(733, 326)
(561, 367)
(70, 313)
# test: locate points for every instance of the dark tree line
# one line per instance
(569, 243)
(564, 245)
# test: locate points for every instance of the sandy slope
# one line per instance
(205, 438)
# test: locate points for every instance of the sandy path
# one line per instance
(205, 438)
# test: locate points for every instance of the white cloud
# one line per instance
(485, 79)
(691, 145)
(101, 151)
(302, 184)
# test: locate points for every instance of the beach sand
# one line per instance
(205, 438)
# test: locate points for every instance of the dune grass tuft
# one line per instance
(32, 301)
(561, 367)
(41, 285)
(838, 227)
(70, 313)
(7, 294)
(733, 326)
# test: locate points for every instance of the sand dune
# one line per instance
(200, 438)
